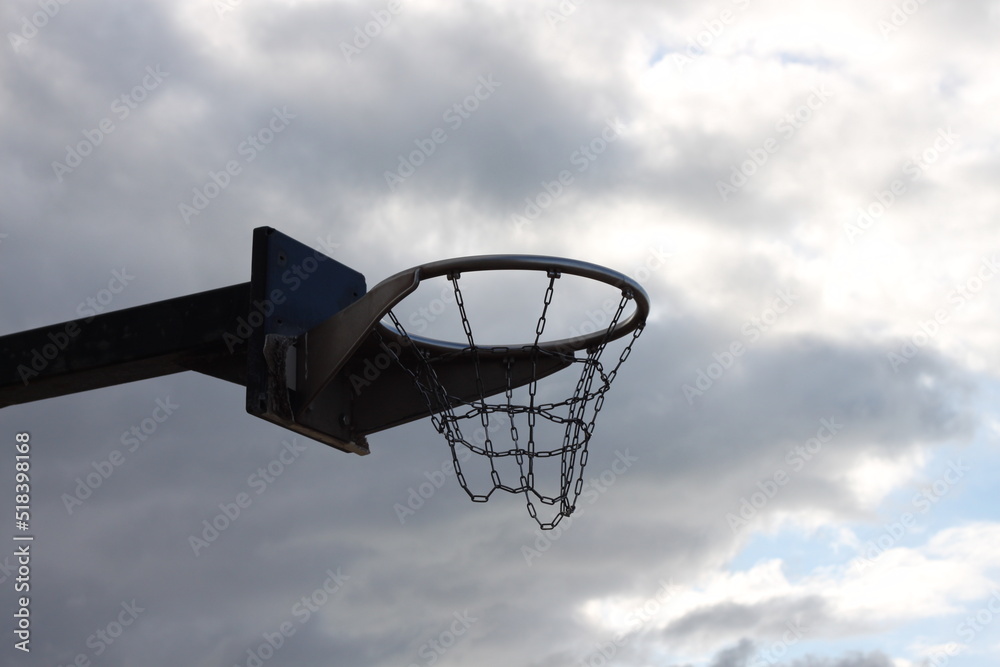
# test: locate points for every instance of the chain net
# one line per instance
(574, 415)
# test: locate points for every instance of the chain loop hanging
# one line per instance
(576, 414)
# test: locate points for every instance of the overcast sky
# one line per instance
(807, 191)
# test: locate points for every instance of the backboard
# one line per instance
(294, 288)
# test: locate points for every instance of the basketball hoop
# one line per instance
(429, 364)
(309, 359)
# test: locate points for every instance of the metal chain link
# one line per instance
(578, 428)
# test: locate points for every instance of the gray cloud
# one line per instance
(323, 177)
(767, 619)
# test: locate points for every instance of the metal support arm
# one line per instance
(199, 332)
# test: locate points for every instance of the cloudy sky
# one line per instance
(807, 191)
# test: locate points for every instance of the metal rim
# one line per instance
(574, 267)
